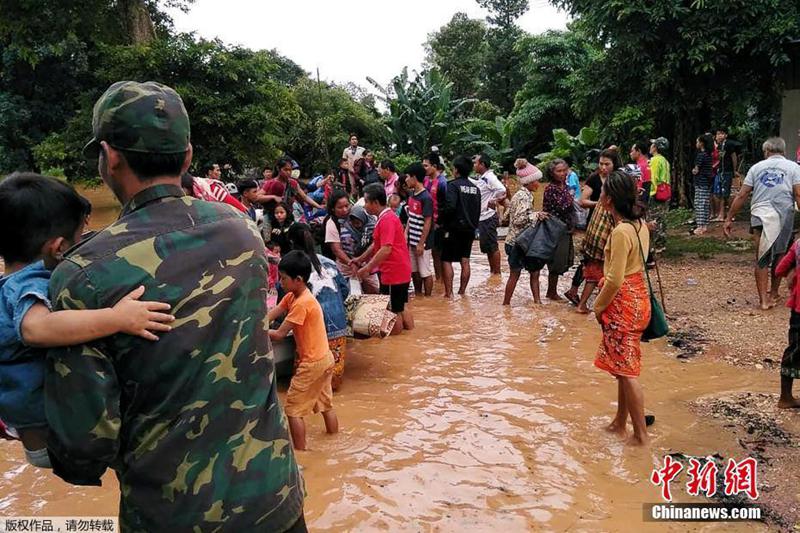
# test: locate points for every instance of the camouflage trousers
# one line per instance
(657, 212)
(338, 348)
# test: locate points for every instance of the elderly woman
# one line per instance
(559, 202)
(623, 306)
(521, 216)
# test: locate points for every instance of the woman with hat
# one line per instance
(520, 216)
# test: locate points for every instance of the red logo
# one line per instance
(739, 477)
(666, 474)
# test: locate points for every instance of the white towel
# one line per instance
(771, 225)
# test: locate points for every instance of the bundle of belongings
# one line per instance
(539, 242)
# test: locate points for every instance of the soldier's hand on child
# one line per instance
(142, 318)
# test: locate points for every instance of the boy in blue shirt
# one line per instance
(41, 218)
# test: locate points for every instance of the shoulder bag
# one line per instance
(658, 326)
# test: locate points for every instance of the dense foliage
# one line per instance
(626, 71)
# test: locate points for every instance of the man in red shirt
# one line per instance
(284, 188)
(389, 252)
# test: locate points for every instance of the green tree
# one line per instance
(682, 63)
(49, 54)
(241, 114)
(458, 50)
(422, 112)
(504, 13)
(504, 58)
(328, 114)
(544, 102)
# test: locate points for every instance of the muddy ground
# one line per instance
(711, 302)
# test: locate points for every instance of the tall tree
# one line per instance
(422, 112)
(458, 50)
(684, 62)
(504, 58)
(544, 101)
(136, 20)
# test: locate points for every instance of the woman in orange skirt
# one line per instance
(623, 305)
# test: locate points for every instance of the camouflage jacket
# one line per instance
(191, 424)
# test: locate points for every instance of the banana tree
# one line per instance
(422, 112)
(494, 138)
(581, 149)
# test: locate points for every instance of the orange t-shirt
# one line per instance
(305, 313)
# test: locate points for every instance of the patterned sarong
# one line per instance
(623, 323)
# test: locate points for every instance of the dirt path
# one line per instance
(712, 305)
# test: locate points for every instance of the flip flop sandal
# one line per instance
(574, 300)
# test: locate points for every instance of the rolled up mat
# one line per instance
(369, 313)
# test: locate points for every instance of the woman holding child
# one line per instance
(623, 306)
(348, 232)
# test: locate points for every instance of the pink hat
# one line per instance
(528, 174)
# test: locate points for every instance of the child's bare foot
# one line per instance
(635, 440)
(790, 403)
(537, 301)
(766, 306)
(555, 297)
(582, 310)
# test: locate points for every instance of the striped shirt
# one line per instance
(420, 207)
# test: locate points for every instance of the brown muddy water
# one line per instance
(482, 419)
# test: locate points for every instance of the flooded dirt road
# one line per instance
(482, 419)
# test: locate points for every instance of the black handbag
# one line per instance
(658, 326)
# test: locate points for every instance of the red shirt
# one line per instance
(276, 187)
(644, 167)
(785, 265)
(395, 269)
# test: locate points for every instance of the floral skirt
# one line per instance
(338, 348)
(623, 323)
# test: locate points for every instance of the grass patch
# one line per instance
(678, 217)
(703, 247)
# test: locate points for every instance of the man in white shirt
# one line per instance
(492, 193)
(775, 185)
(353, 153)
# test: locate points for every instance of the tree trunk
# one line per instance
(681, 166)
(136, 21)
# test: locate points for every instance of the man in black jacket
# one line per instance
(459, 218)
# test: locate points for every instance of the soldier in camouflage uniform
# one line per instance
(191, 424)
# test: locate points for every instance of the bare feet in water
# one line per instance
(633, 440)
(617, 429)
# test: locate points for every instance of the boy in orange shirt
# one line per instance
(310, 390)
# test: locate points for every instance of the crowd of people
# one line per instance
(189, 419)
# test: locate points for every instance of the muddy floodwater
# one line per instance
(482, 419)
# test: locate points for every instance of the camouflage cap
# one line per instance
(140, 117)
